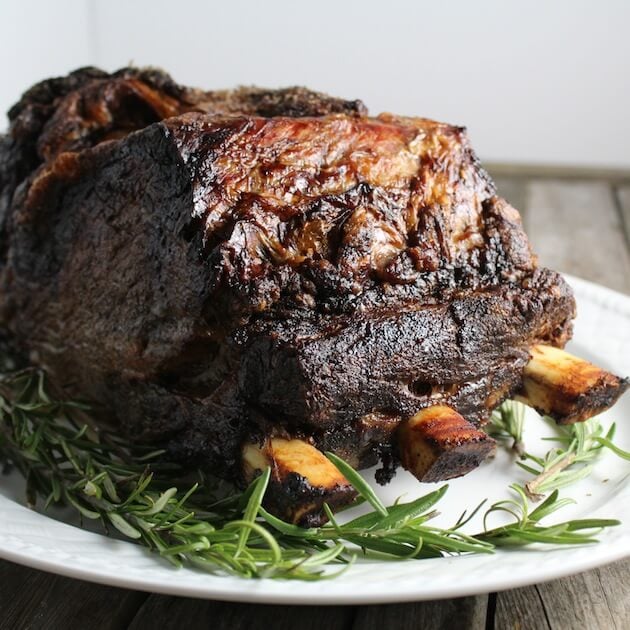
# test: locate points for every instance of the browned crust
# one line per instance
(567, 388)
(438, 443)
(302, 480)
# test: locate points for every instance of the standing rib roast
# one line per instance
(251, 277)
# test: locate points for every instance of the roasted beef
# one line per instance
(219, 270)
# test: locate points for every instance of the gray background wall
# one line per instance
(534, 81)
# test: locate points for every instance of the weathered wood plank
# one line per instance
(550, 171)
(514, 189)
(575, 227)
(623, 199)
(520, 609)
(32, 599)
(577, 602)
(466, 612)
(615, 583)
(175, 612)
(596, 599)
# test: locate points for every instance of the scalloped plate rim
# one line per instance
(21, 542)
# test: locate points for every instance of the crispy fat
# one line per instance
(567, 388)
(437, 443)
(302, 480)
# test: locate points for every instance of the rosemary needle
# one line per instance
(212, 526)
(579, 446)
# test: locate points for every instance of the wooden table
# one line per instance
(577, 222)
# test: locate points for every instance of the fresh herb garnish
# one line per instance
(580, 445)
(507, 423)
(221, 529)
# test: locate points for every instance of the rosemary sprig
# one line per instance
(214, 526)
(581, 444)
(526, 528)
(507, 423)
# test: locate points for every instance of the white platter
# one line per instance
(602, 334)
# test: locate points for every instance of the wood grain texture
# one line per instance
(623, 201)
(514, 190)
(177, 613)
(555, 171)
(33, 599)
(575, 227)
(615, 583)
(520, 609)
(595, 599)
(465, 612)
(576, 602)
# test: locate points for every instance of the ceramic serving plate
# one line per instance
(53, 541)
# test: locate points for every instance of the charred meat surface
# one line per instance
(217, 269)
(567, 388)
(437, 443)
(301, 480)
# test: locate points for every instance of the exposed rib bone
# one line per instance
(302, 480)
(567, 388)
(437, 443)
